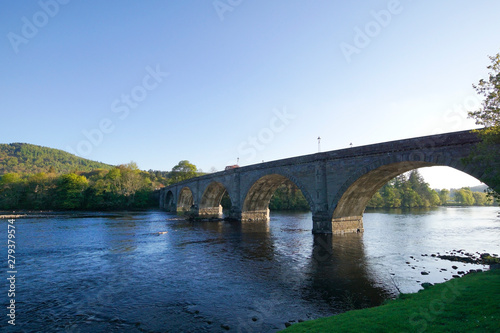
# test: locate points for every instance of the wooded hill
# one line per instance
(24, 158)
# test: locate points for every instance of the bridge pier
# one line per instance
(324, 224)
(191, 212)
(256, 215)
(234, 213)
(349, 224)
(210, 212)
(170, 208)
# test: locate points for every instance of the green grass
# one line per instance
(467, 304)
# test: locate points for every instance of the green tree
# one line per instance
(70, 191)
(12, 191)
(131, 179)
(288, 197)
(182, 171)
(411, 199)
(435, 200)
(487, 152)
(464, 197)
(391, 196)
(480, 199)
(376, 201)
(405, 191)
(39, 190)
(444, 196)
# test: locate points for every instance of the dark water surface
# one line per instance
(114, 273)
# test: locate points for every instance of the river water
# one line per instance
(113, 272)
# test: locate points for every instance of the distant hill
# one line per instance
(479, 188)
(26, 158)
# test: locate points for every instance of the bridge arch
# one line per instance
(186, 200)
(350, 201)
(210, 203)
(258, 196)
(353, 201)
(169, 201)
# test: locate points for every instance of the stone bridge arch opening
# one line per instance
(169, 203)
(211, 203)
(258, 197)
(185, 201)
(348, 213)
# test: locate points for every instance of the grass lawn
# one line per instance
(467, 304)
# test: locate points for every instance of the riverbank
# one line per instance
(462, 304)
(11, 216)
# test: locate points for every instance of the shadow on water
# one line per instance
(339, 272)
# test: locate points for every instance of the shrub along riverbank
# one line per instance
(467, 304)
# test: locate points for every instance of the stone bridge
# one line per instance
(337, 184)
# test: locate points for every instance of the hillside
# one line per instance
(26, 158)
(479, 188)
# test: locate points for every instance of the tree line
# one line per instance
(114, 188)
(411, 191)
(122, 187)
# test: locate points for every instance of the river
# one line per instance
(113, 272)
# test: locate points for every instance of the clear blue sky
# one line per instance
(157, 82)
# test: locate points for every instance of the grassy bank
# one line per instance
(467, 304)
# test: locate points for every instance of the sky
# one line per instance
(237, 81)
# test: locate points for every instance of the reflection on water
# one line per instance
(114, 272)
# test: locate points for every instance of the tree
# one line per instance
(464, 197)
(12, 191)
(390, 196)
(131, 180)
(288, 197)
(376, 201)
(480, 198)
(489, 114)
(70, 189)
(182, 171)
(406, 191)
(444, 196)
(435, 200)
(39, 188)
(487, 153)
